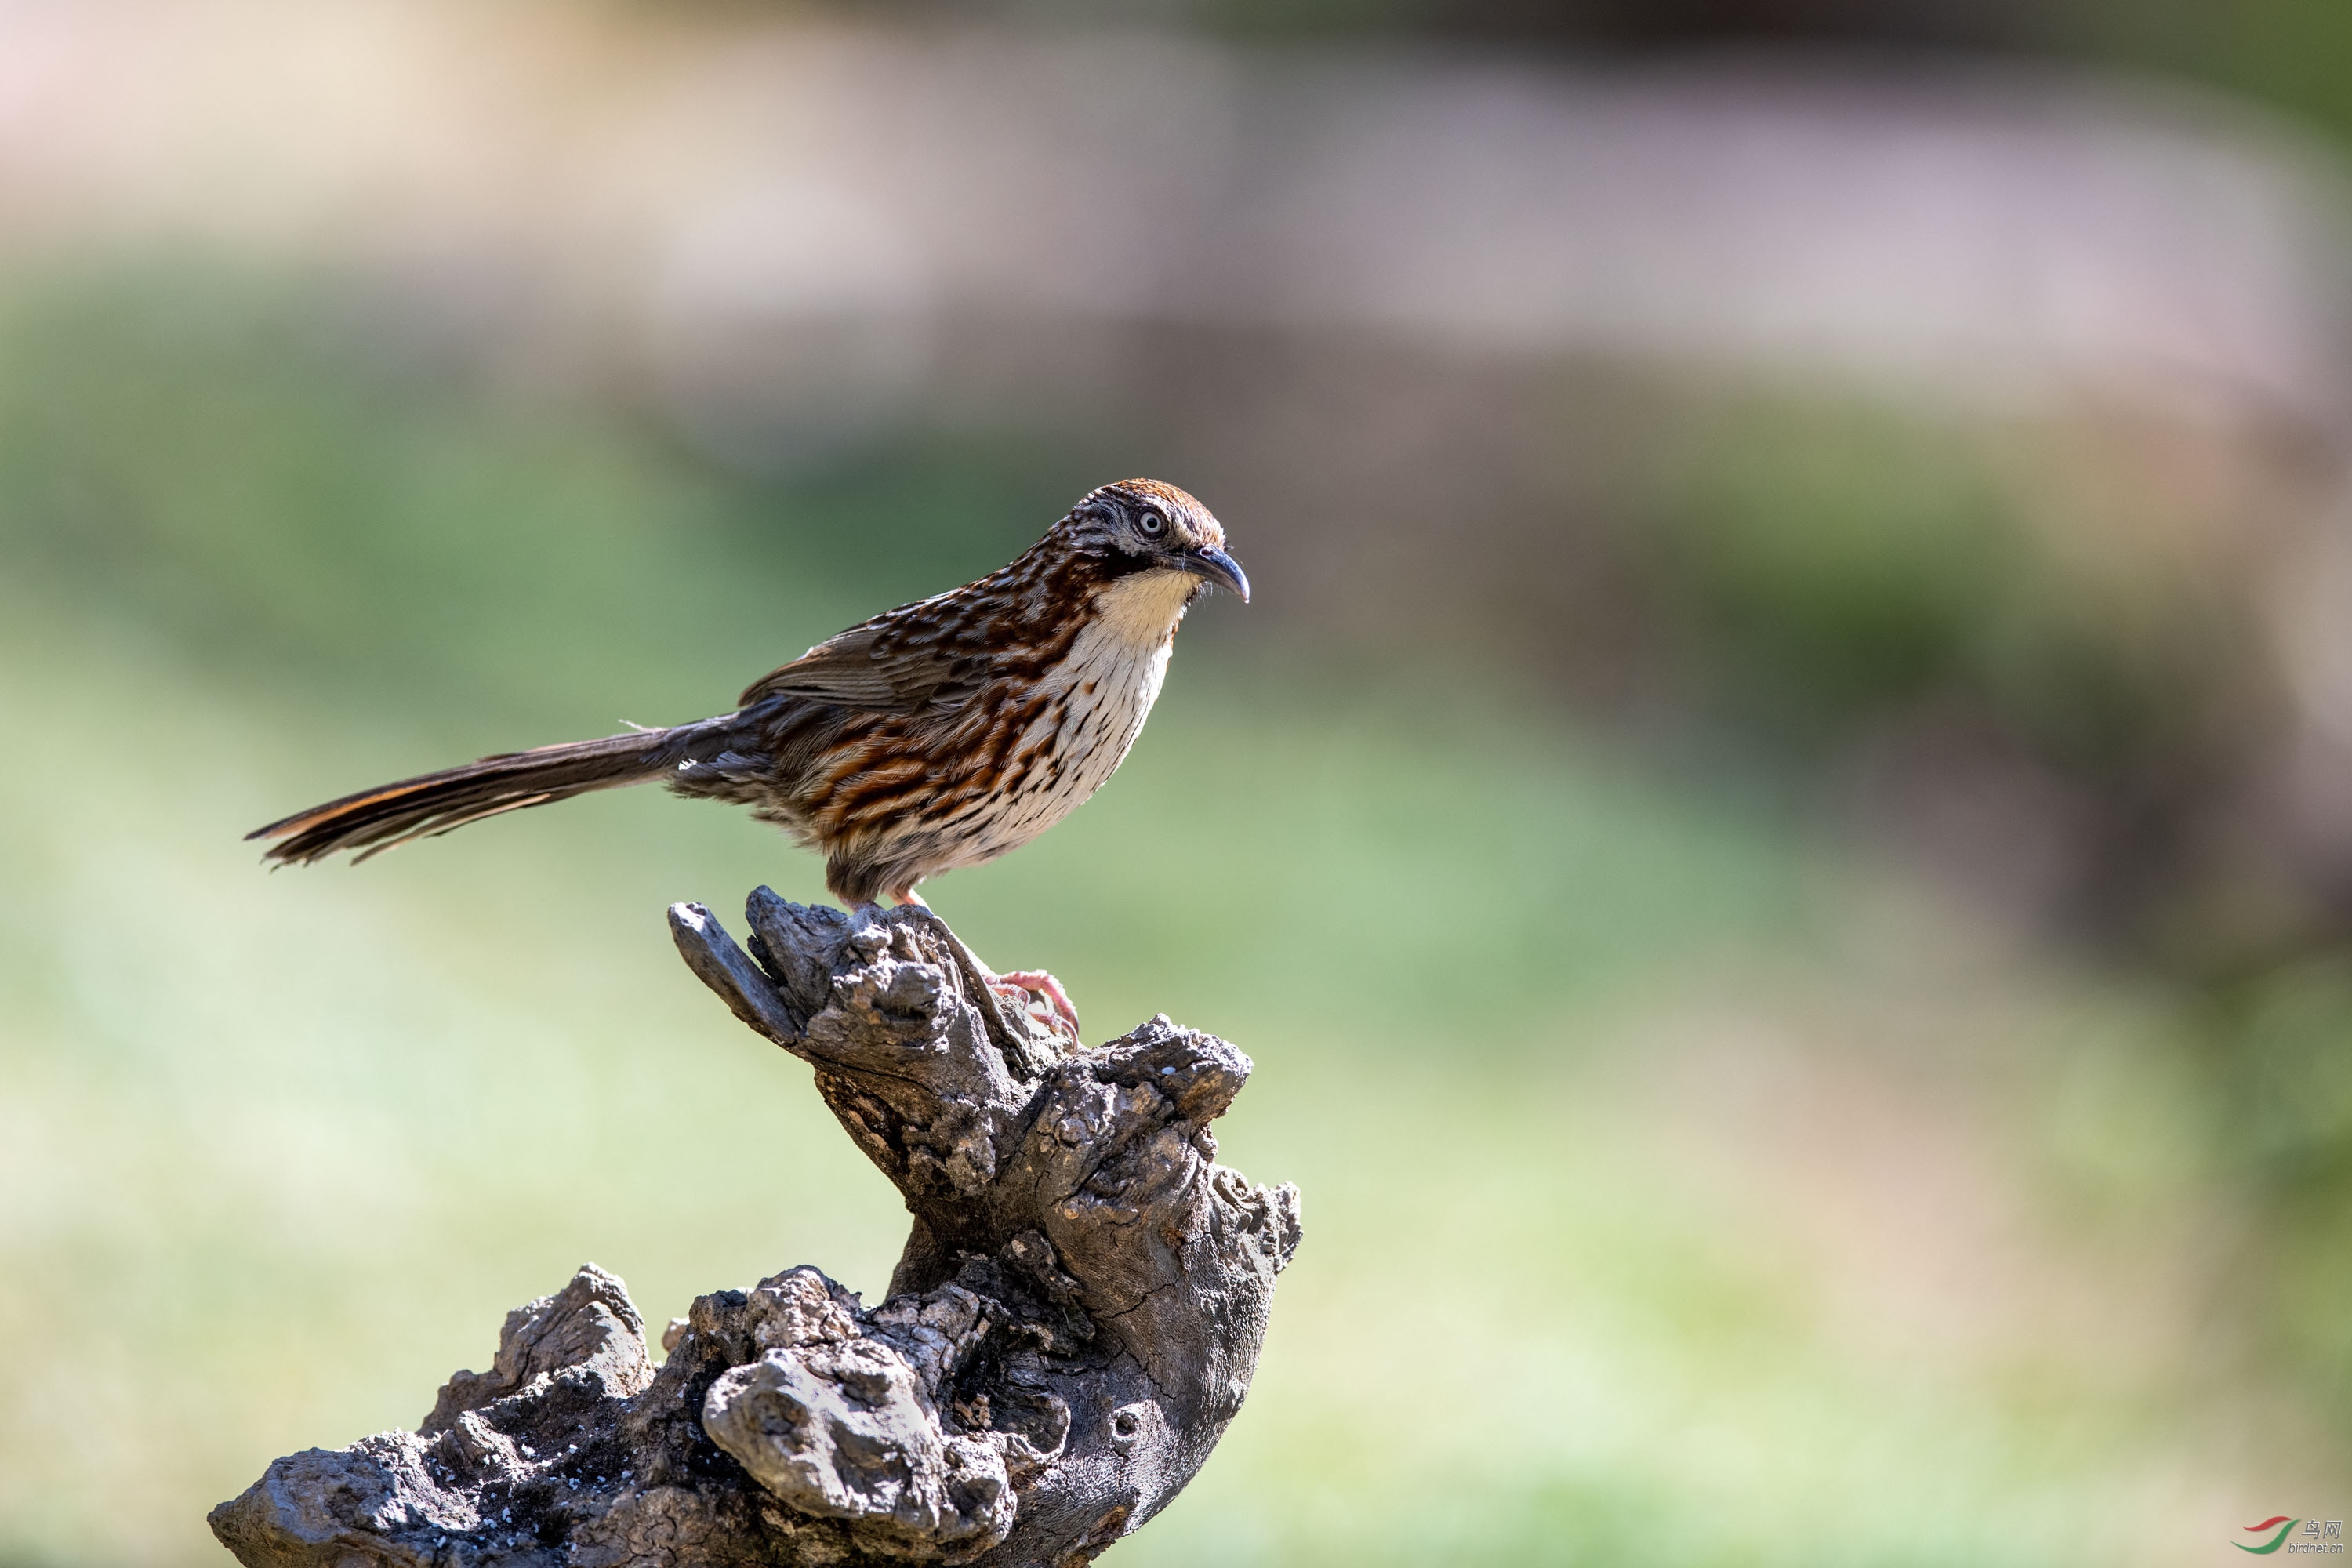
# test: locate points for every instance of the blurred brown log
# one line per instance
(1073, 1323)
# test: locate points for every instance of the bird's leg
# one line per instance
(1019, 985)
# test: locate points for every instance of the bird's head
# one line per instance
(1144, 528)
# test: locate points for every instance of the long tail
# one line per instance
(383, 818)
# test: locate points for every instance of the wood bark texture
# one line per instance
(1072, 1325)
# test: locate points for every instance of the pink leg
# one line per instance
(1025, 980)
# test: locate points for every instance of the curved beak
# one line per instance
(1220, 568)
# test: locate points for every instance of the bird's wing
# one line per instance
(886, 666)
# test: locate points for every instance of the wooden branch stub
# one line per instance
(1073, 1322)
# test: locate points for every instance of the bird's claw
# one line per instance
(1026, 983)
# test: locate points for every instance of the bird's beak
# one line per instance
(1218, 568)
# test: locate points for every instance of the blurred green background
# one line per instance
(1694, 1171)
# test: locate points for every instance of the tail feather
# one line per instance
(375, 820)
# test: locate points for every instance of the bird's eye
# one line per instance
(1154, 525)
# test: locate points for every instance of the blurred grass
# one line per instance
(1835, 559)
(1675, 1191)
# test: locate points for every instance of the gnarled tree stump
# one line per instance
(1074, 1321)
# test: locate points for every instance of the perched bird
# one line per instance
(941, 735)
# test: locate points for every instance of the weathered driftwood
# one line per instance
(1072, 1325)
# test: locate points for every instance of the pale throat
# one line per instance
(1140, 611)
(1117, 662)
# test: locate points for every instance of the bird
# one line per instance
(938, 735)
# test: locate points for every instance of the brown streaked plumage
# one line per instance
(941, 735)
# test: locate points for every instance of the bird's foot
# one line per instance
(1018, 987)
(1026, 983)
